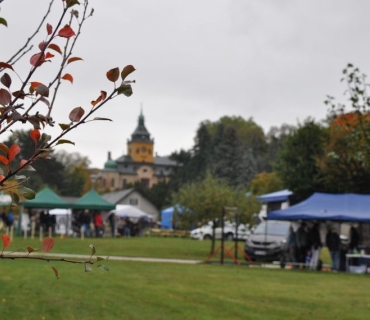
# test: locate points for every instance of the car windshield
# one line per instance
(273, 227)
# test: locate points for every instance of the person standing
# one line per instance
(292, 246)
(301, 240)
(98, 223)
(316, 244)
(333, 244)
(354, 239)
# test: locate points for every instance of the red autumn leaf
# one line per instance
(55, 48)
(6, 241)
(126, 71)
(6, 80)
(76, 114)
(49, 55)
(35, 135)
(35, 84)
(73, 59)
(42, 45)
(66, 32)
(4, 160)
(56, 272)
(37, 59)
(68, 77)
(113, 74)
(2, 177)
(6, 65)
(95, 102)
(49, 28)
(5, 97)
(13, 151)
(19, 94)
(22, 163)
(102, 97)
(47, 244)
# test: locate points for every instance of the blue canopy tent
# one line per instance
(347, 207)
(167, 215)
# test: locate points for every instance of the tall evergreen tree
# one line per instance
(202, 153)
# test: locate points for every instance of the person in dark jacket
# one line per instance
(333, 244)
(354, 239)
(301, 243)
(316, 244)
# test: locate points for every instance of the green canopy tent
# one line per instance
(46, 199)
(93, 201)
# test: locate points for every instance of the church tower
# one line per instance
(141, 147)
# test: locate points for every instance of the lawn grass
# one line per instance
(134, 290)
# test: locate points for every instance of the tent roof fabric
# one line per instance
(128, 211)
(47, 199)
(93, 201)
(347, 207)
(277, 196)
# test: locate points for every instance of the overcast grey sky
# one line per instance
(274, 61)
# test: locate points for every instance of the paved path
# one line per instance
(117, 258)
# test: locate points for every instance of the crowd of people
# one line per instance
(92, 224)
(305, 244)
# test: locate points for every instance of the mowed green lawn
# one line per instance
(142, 290)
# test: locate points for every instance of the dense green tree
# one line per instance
(275, 139)
(297, 163)
(202, 153)
(203, 201)
(234, 163)
(346, 164)
(180, 174)
(265, 182)
(76, 174)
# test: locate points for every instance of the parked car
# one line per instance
(205, 232)
(268, 240)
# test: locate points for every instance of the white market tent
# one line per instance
(131, 212)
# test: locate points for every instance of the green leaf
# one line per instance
(3, 21)
(42, 90)
(106, 119)
(64, 126)
(45, 138)
(61, 141)
(103, 267)
(27, 193)
(99, 259)
(125, 89)
(92, 249)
